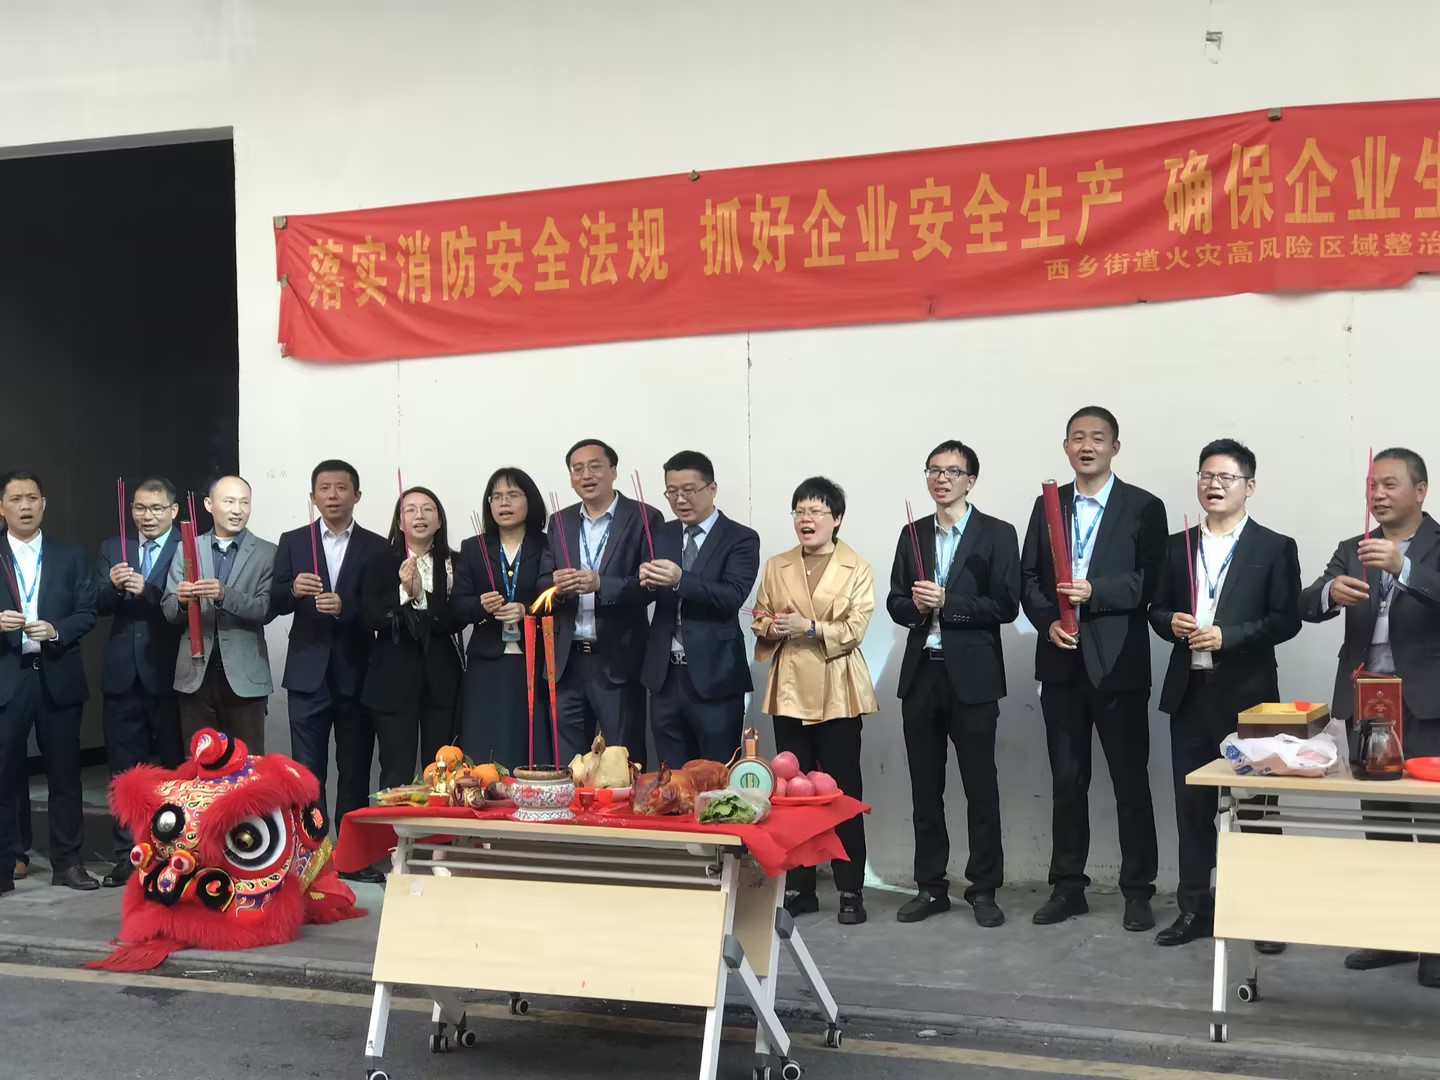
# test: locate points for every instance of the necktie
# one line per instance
(147, 559)
(688, 555)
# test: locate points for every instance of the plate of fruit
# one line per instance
(796, 788)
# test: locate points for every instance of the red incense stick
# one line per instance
(1369, 481)
(644, 517)
(914, 541)
(1189, 565)
(479, 523)
(560, 529)
(120, 503)
(314, 544)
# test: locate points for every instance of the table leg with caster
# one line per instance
(375, 1036)
(715, 1014)
(519, 1006)
(449, 1011)
(795, 945)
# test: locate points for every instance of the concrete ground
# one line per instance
(1082, 988)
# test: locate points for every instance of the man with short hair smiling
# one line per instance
(705, 566)
(228, 686)
(47, 604)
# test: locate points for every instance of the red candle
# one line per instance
(529, 644)
(1060, 556)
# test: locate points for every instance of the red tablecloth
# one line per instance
(791, 836)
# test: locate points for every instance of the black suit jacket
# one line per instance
(319, 642)
(472, 581)
(66, 601)
(1414, 622)
(414, 650)
(620, 623)
(982, 594)
(1114, 651)
(142, 642)
(708, 598)
(1257, 611)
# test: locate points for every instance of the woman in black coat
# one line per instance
(412, 686)
(494, 720)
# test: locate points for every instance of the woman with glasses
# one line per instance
(412, 686)
(814, 605)
(493, 599)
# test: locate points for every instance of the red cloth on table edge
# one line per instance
(791, 836)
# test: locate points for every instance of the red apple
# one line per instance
(799, 787)
(785, 765)
(823, 783)
(781, 786)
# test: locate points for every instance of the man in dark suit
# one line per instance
(1100, 682)
(704, 568)
(141, 717)
(1389, 588)
(47, 604)
(317, 580)
(1245, 581)
(600, 626)
(952, 676)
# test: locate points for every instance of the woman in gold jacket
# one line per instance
(816, 601)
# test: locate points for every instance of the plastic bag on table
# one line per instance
(1281, 755)
(728, 806)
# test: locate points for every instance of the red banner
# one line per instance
(1327, 197)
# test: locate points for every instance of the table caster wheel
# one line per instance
(791, 1070)
(833, 1037)
(762, 1072)
(376, 1074)
(1219, 1033)
(439, 1044)
(1248, 991)
(469, 1039)
(519, 1006)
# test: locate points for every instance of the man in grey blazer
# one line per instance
(228, 687)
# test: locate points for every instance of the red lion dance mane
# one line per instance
(231, 852)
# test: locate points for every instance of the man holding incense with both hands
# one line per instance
(1229, 594)
(1388, 586)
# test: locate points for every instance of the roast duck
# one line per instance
(673, 791)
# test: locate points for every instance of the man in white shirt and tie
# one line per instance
(47, 604)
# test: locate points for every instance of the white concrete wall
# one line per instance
(368, 102)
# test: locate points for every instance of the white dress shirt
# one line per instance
(947, 543)
(1085, 527)
(334, 545)
(1213, 559)
(28, 563)
(594, 535)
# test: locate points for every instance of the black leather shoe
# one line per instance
(852, 909)
(801, 903)
(1370, 959)
(1429, 971)
(1187, 928)
(922, 905)
(1138, 915)
(367, 876)
(987, 912)
(74, 877)
(1269, 948)
(118, 875)
(1060, 906)
(7, 885)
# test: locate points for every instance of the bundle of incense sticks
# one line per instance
(479, 523)
(756, 613)
(10, 579)
(560, 530)
(1190, 566)
(914, 541)
(120, 503)
(644, 517)
(1369, 501)
(314, 544)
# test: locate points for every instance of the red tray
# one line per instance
(804, 800)
(1423, 768)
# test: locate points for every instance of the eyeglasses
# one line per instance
(143, 511)
(420, 511)
(589, 468)
(954, 472)
(810, 512)
(506, 496)
(689, 491)
(1226, 479)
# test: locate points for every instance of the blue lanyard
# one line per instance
(20, 578)
(1080, 545)
(1213, 585)
(587, 561)
(941, 540)
(508, 571)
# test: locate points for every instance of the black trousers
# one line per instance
(423, 721)
(586, 701)
(57, 729)
(933, 718)
(139, 726)
(833, 746)
(1206, 714)
(686, 726)
(313, 715)
(216, 705)
(1072, 712)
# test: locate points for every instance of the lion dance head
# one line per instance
(231, 852)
